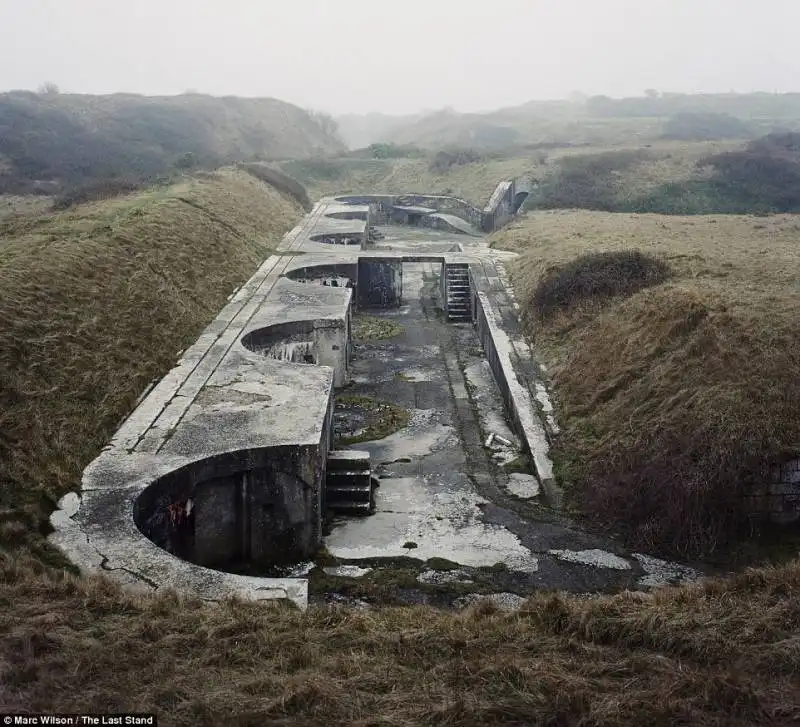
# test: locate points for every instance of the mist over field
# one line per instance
(357, 56)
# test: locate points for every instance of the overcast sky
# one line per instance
(401, 56)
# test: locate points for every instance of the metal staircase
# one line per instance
(457, 291)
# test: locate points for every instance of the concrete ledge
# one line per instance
(501, 354)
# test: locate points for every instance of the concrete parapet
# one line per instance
(510, 360)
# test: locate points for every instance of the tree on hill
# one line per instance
(49, 89)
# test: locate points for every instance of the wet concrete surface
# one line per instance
(443, 493)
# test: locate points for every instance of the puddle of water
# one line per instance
(438, 577)
(347, 571)
(523, 486)
(661, 572)
(441, 520)
(596, 557)
(416, 375)
(422, 436)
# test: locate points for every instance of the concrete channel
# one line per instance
(231, 476)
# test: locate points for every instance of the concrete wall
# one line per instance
(500, 208)
(779, 500)
(519, 405)
(320, 273)
(381, 206)
(255, 507)
(339, 238)
(328, 341)
(444, 203)
(380, 282)
(499, 211)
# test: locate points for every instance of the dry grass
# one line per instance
(96, 302)
(445, 129)
(663, 162)
(724, 653)
(13, 204)
(472, 182)
(677, 398)
(594, 277)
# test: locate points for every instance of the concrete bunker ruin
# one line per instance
(227, 465)
(335, 238)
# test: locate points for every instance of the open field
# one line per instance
(96, 302)
(674, 399)
(642, 167)
(500, 130)
(596, 120)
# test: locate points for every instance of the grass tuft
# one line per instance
(596, 276)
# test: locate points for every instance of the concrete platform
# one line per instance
(223, 461)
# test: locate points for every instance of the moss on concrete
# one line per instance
(378, 418)
(394, 581)
(371, 328)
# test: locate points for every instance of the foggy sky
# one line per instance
(400, 56)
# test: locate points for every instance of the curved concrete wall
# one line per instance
(223, 462)
(239, 509)
(504, 203)
(324, 342)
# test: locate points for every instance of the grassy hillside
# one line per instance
(474, 182)
(676, 395)
(760, 177)
(96, 302)
(50, 140)
(595, 121)
(571, 175)
(504, 131)
(11, 204)
(721, 654)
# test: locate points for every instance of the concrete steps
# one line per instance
(457, 292)
(348, 483)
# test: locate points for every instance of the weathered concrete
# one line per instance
(452, 223)
(222, 465)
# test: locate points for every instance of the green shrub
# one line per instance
(385, 150)
(586, 181)
(100, 190)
